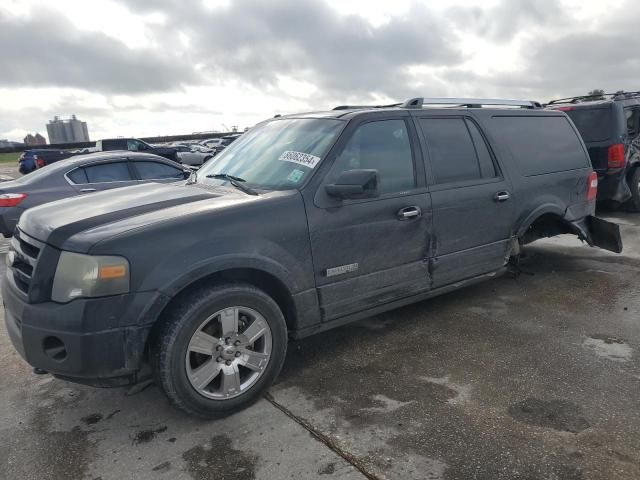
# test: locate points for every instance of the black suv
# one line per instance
(305, 223)
(610, 127)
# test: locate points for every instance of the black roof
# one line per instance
(605, 98)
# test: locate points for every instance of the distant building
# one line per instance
(69, 130)
(37, 139)
(9, 144)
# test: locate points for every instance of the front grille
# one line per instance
(25, 251)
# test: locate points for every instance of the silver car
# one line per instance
(193, 154)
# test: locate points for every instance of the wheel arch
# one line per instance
(546, 222)
(261, 278)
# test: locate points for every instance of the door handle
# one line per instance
(409, 213)
(501, 196)
(87, 190)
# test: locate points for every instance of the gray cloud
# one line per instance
(509, 17)
(573, 63)
(47, 50)
(254, 42)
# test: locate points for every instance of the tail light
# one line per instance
(11, 199)
(616, 156)
(592, 186)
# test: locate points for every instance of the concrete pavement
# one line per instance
(528, 377)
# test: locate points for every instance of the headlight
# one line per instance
(80, 275)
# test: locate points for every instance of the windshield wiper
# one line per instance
(235, 181)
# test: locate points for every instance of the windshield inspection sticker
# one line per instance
(295, 176)
(304, 159)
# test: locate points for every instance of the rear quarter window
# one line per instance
(540, 145)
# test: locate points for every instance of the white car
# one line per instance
(193, 154)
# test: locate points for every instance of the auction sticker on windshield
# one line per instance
(300, 158)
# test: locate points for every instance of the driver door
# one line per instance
(372, 251)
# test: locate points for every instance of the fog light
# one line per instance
(54, 348)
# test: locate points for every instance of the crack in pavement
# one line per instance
(324, 439)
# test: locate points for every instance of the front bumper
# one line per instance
(92, 341)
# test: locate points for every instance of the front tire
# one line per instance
(219, 349)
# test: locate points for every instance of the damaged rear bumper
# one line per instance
(599, 233)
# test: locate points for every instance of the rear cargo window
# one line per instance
(541, 145)
(594, 124)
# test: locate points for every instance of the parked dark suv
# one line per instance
(305, 223)
(610, 127)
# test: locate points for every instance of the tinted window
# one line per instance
(114, 144)
(451, 151)
(487, 167)
(540, 144)
(633, 121)
(383, 146)
(108, 172)
(78, 176)
(157, 171)
(594, 124)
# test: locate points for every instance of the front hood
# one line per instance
(56, 222)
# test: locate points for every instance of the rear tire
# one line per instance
(201, 357)
(633, 205)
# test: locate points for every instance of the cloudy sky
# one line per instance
(137, 67)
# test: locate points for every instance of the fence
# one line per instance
(73, 146)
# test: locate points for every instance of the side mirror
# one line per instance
(354, 184)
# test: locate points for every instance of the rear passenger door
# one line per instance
(471, 199)
(101, 176)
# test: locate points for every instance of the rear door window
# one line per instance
(78, 176)
(541, 144)
(158, 171)
(108, 172)
(457, 150)
(632, 116)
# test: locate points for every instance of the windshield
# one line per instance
(277, 155)
(594, 124)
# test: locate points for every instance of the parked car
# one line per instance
(610, 127)
(193, 154)
(33, 159)
(135, 145)
(211, 142)
(225, 142)
(80, 175)
(305, 223)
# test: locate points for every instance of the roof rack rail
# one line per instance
(604, 96)
(358, 107)
(469, 102)
(420, 102)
